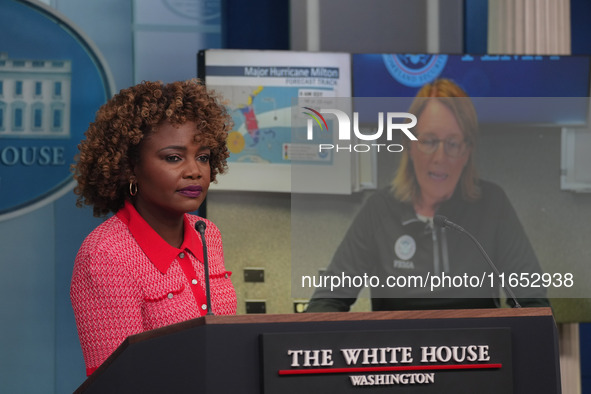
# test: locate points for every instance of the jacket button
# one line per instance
(170, 295)
(204, 307)
(182, 255)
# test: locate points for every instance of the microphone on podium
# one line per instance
(200, 227)
(442, 221)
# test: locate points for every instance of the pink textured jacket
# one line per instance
(127, 280)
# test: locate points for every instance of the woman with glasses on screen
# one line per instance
(393, 246)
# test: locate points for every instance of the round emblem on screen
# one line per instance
(201, 10)
(405, 247)
(414, 70)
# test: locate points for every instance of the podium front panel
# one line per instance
(223, 354)
(423, 360)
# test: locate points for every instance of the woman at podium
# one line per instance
(412, 262)
(148, 159)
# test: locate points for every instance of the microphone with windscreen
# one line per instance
(200, 227)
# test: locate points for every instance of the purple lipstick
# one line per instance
(191, 191)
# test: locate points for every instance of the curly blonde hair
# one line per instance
(104, 166)
(405, 185)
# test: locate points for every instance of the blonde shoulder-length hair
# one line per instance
(404, 185)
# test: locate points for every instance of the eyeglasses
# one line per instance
(452, 147)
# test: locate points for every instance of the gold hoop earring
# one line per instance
(132, 188)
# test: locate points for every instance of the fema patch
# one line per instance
(405, 247)
(414, 70)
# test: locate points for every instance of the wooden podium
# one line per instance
(237, 354)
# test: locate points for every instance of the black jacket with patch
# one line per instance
(386, 240)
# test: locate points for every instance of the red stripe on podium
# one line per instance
(388, 369)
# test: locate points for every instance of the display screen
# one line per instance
(269, 95)
(551, 90)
